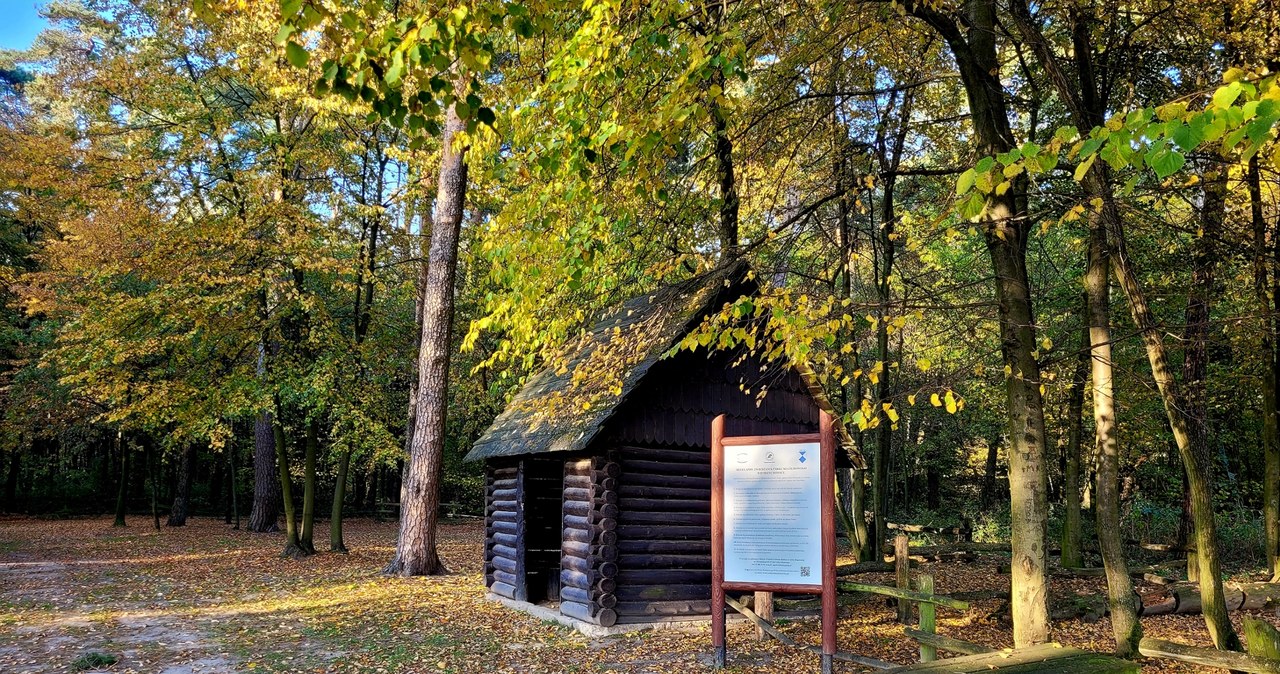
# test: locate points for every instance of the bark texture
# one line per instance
(182, 493)
(420, 496)
(266, 479)
(973, 44)
(1124, 604)
(1264, 289)
(1071, 553)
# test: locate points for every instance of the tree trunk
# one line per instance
(291, 544)
(266, 477)
(232, 484)
(153, 462)
(1123, 603)
(1198, 468)
(989, 473)
(182, 499)
(1263, 289)
(310, 442)
(336, 544)
(420, 496)
(123, 491)
(11, 481)
(1071, 556)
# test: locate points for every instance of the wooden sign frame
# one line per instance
(825, 437)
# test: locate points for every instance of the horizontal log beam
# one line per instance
(846, 586)
(660, 547)
(630, 493)
(945, 643)
(1239, 662)
(654, 532)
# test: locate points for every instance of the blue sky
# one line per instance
(19, 23)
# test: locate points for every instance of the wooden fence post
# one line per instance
(902, 564)
(764, 609)
(1262, 639)
(928, 617)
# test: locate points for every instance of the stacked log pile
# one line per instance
(664, 534)
(589, 550)
(503, 553)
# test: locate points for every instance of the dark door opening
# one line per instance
(543, 487)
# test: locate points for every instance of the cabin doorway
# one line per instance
(543, 489)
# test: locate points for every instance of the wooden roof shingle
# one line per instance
(564, 407)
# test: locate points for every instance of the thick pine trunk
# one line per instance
(266, 478)
(420, 495)
(182, 498)
(1071, 555)
(1123, 602)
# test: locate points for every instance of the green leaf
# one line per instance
(1227, 95)
(486, 116)
(1165, 160)
(1185, 136)
(288, 8)
(965, 182)
(297, 56)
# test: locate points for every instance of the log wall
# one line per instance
(589, 551)
(504, 572)
(664, 534)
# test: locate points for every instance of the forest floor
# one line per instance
(206, 598)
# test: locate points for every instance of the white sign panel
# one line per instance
(773, 514)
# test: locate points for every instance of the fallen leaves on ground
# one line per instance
(207, 598)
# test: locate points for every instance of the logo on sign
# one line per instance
(768, 457)
(802, 456)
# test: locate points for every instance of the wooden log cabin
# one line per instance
(598, 472)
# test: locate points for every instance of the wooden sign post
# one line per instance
(773, 522)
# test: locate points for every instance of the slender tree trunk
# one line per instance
(310, 446)
(1071, 555)
(1198, 468)
(292, 548)
(123, 491)
(266, 477)
(182, 499)
(11, 481)
(1122, 601)
(232, 485)
(1263, 290)
(989, 473)
(336, 544)
(153, 463)
(420, 495)
(725, 177)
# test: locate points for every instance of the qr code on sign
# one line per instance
(804, 572)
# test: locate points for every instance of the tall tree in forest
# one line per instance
(972, 40)
(1086, 100)
(182, 491)
(420, 506)
(265, 512)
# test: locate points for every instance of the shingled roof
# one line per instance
(564, 407)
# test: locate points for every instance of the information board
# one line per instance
(773, 514)
(773, 523)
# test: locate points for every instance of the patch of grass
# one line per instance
(93, 660)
